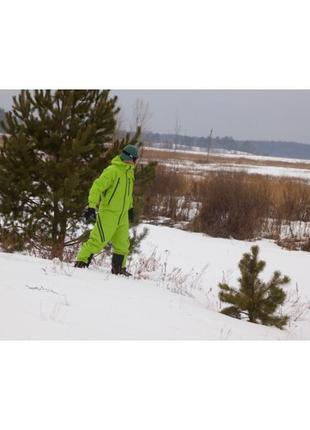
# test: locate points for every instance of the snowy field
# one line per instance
(232, 154)
(195, 168)
(173, 294)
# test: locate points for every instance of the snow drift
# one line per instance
(173, 294)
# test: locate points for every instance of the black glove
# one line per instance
(90, 215)
(131, 215)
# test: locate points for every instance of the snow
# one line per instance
(267, 170)
(194, 168)
(218, 152)
(175, 298)
(194, 149)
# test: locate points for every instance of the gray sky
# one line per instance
(242, 114)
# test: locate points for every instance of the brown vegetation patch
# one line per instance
(150, 154)
(233, 204)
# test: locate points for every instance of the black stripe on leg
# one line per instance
(100, 230)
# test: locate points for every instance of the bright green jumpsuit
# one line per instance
(112, 191)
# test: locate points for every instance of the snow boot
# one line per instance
(117, 269)
(117, 261)
(124, 272)
(82, 264)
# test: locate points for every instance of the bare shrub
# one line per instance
(233, 205)
(296, 307)
(290, 213)
(292, 198)
(155, 267)
(170, 195)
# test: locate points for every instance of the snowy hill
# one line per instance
(173, 294)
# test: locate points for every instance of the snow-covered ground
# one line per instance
(173, 294)
(194, 149)
(194, 168)
(233, 154)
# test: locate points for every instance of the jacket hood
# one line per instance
(117, 161)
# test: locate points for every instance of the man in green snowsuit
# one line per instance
(112, 193)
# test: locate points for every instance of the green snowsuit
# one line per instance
(112, 191)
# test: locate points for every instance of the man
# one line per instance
(112, 192)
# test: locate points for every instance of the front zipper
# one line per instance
(124, 199)
(113, 191)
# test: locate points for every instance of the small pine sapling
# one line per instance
(255, 300)
(136, 239)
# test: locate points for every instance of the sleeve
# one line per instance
(101, 184)
(131, 195)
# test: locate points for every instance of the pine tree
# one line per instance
(59, 142)
(1, 119)
(256, 300)
(136, 239)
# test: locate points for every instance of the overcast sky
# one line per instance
(242, 114)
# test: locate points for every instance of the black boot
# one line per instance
(124, 272)
(117, 261)
(82, 264)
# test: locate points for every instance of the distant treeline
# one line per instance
(267, 148)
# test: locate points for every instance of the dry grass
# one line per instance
(165, 194)
(150, 154)
(233, 204)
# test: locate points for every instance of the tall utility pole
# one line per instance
(177, 133)
(209, 144)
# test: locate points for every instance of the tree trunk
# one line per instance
(58, 232)
(58, 248)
